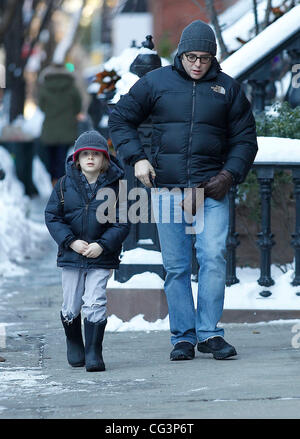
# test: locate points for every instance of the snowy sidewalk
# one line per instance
(140, 381)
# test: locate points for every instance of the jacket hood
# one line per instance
(211, 74)
(114, 172)
(56, 75)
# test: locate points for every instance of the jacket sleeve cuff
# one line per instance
(233, 175)
(231, 166)
(68, 241)
(100, 242)
(136, 159)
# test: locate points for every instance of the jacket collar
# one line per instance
(211, 74)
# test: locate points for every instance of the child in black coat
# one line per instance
(88, 246)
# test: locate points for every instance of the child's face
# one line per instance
(90, 161)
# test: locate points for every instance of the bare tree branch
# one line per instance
(66, 44)
(202, 9)
(267, 14)
(51, 6)
(212, 13)
(255, 17)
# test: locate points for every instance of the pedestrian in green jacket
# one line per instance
(60, 100)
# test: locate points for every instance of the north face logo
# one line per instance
(219, 89)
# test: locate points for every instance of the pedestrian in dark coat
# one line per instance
(88, 246)
(203, 133)
(60, 100)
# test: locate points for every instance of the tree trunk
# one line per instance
(67, 42)
(13, 42)
(267, 14)
(16, 59)
(255, 17)
(8, 9)
(211, 11)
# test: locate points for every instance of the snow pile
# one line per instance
(277, 149)
(20, 238)
(139, 255)
(245, 294)
(137, 323)
(121, 65)
(147, 279)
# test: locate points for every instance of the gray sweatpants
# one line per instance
(84, 290)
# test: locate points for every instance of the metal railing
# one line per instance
(265, 242)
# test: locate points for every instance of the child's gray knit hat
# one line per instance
(197, 36)
(90, 140)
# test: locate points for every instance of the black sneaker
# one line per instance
(218, 347)
(183, 350)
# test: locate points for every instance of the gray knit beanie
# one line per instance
(90, 140)
(197, 36)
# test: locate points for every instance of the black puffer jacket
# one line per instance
(199, 127)
(78, 220)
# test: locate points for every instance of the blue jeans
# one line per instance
(186, 322)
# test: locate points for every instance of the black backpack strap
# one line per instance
(61, 186)
(61, 191)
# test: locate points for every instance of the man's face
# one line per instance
(198, 68)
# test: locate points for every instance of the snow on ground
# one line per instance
(20, 381)
(276, 149)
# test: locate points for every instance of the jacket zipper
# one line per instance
(191, 131)
(86, 216)
(83, 258)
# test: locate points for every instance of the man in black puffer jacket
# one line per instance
(203, 132)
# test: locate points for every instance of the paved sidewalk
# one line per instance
(140, 381)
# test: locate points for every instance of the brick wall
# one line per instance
(170, 17)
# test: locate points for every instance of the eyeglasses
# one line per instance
(204, 59)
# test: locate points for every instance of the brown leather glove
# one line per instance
(218, 186)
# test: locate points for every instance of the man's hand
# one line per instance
(93, 250)
(79, 246)
(142, 170)
(218, 186)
